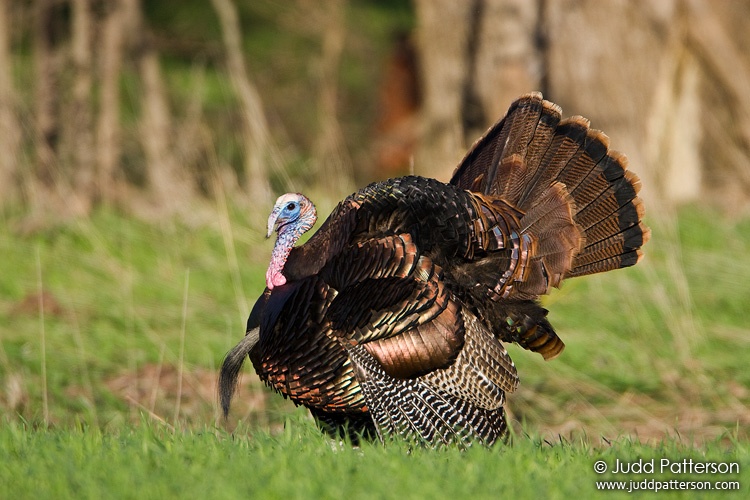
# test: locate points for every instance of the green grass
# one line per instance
(151, 461)
(119, 286)
(112, 389)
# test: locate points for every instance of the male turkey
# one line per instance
(391, 319)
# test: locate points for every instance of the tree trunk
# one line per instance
(168, 183)
(607, 63)
(719, 41)
(443, 31)
(256, 135)
(10, 135)
(476, 57)
(330, 153)
(507, 61)
(118, 17)
(80, 139)
(46, 79)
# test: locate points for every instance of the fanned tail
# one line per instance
(536, 161)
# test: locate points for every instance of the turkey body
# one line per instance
(391, 319)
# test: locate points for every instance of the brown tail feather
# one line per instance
(558, 239)
(536, 334)
(583, 165)
(530, 150)
(566, 142)
(481, 170)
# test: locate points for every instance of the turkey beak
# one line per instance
(272, 222)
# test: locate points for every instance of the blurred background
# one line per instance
(142, 144)
(108, 102)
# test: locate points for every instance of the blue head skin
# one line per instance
(292, 215)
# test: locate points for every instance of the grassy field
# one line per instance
(112, 329)
(152, 461)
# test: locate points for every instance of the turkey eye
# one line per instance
(290, 206)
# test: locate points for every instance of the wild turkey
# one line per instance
(391, 319)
